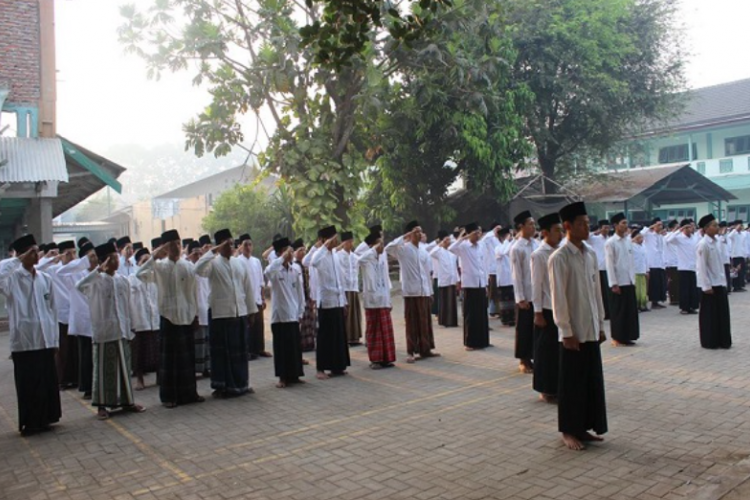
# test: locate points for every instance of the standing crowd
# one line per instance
(91, 317)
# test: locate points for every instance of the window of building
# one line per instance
(726, 166)
(701, 167)
(735, 212)
(737, 145)
(672, 154)
(210, 199)
(675, 213)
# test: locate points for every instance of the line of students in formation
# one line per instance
(87, 318)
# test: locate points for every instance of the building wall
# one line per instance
(20, 51)
(188, 221)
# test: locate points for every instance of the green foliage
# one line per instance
(598, 70)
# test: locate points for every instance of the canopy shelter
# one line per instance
(646, 188)
(40, 178)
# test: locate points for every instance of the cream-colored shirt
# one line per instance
(416, 266)
(541, 296)
(709, 270)
(287, 291)
(144, 305)
(232, 294)
(177, 294)
(620, 261)
(576, 292)
(109, 302)
(520, 268)
(376, 284)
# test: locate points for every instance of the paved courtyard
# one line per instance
(464, 426)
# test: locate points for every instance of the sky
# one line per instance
(104, 97)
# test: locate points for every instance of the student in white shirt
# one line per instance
(490, 241)
(684, 242)
(376, 292)
(256, 342)
(416, 288)
(195, 250)
(546, 341)
(175, 279)
(445, 265)
(597, 241)
(109, 298)
(623, 309)
(287, 308)
(653, 246)
(737, 239)
(471, 251)
(670, 264)
(232, 299)
(640, 262)
(347, 262)
(714, 321)
(520, 265)
(507, 299)
(332, 352)
(144, 320)
(579, 314)
(33, 337)
(127, 265)
(308, 325)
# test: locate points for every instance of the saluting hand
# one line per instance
(103, 266)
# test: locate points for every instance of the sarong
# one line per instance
(112, 386)
(581, 402)
(604, 282)
(740, 264)
(507, 305)
(689, 291)
(493, 295)
(674, 285)
(66, 358)
(435, 303)
(353, 318)
(524, 333)
(448, 311)
(624, 324)
(229, 370)
(728, 274)
(419, 336)
(256, 341)
(546, 356)
(85, 365)
(714, 321)
(145, 352)
(476, 321)
(37, 389)
(641, 292)
(332, 351)
(381, 345)
(287, 352)
(177, 364)
(201, 336)
(657, 284)
(309, 326)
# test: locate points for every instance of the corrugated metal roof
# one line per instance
(32, 160)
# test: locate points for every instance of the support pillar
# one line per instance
(39, 219)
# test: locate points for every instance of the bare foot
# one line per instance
(102, 414)
(617, 344)
(587, 437)
(524, 368)
(432, 354)
(322, 376)
(139, 385)
(305, 362)
(548, 398)
(469, 348)
(281, 384)
(410, 359)
(572, 442)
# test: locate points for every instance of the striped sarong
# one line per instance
(111, 385)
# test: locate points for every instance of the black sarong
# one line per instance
(689, 291)
(67, 358)
(546, 356)
(739, 263)
(37, 389)
(435, 303)
(476, 321)
(332, 348)
(581, 403)
(524, 333)
(448, 310)
(714, 322)
(85, 365)
(623, 308)
(177, 364)
(287, 351)
(604, 282)
(256, 342)
(507, 304)
(657, 284)
(727, 273)
(229, 371)
(674, 285)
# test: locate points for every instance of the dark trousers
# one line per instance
(689, 292)
(741, 265)
(604, 282)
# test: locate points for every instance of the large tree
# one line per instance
(598, 70)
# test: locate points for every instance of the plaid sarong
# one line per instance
(145, 352)
(309, 326)
(177, 364)
(381, 347)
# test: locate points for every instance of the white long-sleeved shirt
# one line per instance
(109, 301)
(709, 271)
(202, 294)
(445, 266)
(347, 263)
(312, 274)
(415, 265)
(619, 260)
(287, 291)
(79, 319)
(376, 284)
(653, 244)
(330, 279)
(502, 255)
(684, 247)
(724, 246)
(232, 294)
(144, 305)
(736, 243)
(31, 307)
(127, 266)
(541, 295)
(597, 241)
(489, 241)
(62, 286)
(255, 268)
(176, 283)
(576, 293)
(640, 261)
(473, 272)
(520, 267)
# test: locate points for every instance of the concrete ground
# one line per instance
(466, 426)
